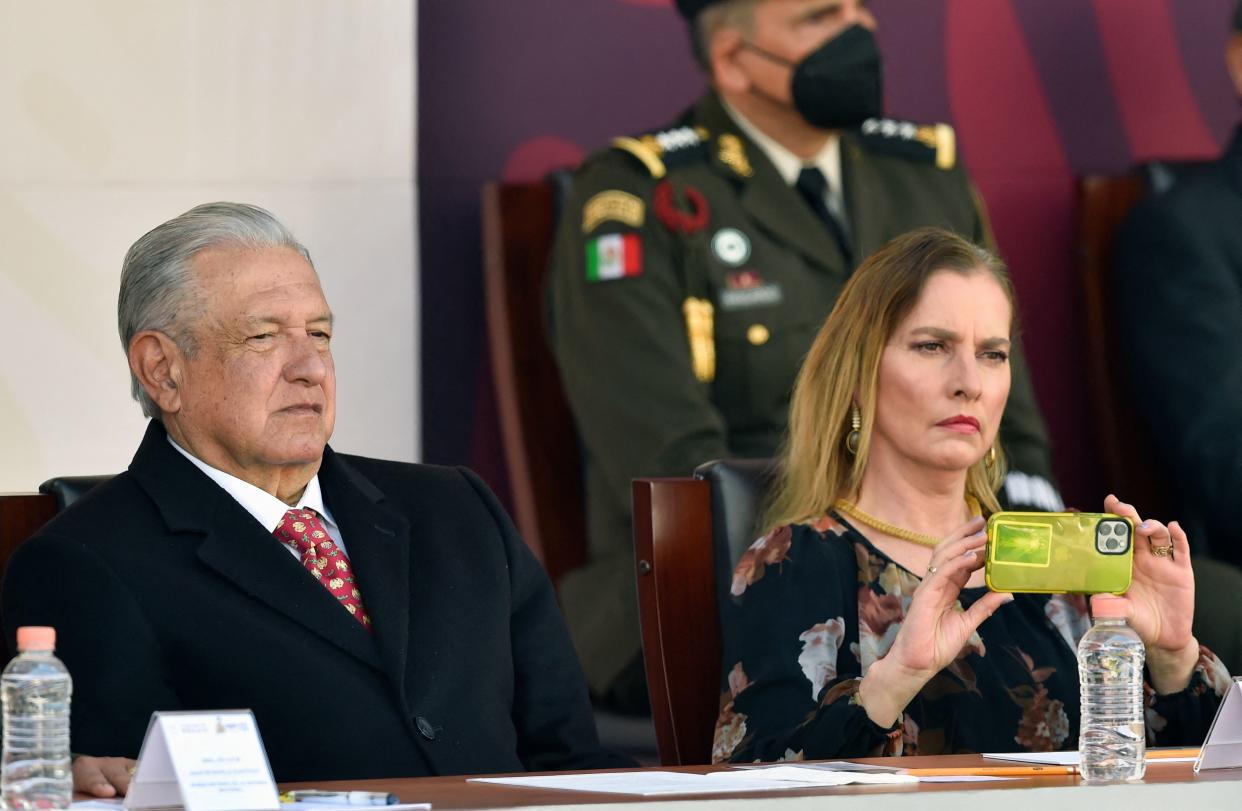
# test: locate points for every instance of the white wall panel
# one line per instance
(115, 116)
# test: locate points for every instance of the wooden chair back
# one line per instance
(677, 603)
(688, 536)
(21, 515)
(1120, 434)
(541, 447)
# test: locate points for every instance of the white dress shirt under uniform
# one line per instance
(789, 166)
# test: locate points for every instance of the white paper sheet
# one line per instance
(115, 805)
(1065, 758)
(828, 765)
(1041, 758)
(814, 775)
(649, 784)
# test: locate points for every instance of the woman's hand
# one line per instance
(933, 632)
(1161, 598)
(102, 776)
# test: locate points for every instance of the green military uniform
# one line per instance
(688, 280)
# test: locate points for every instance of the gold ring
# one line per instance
(1162, 551)
(932, 569)
(132, 770)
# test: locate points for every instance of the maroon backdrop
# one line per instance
(1040, 91)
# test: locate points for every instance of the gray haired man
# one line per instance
(381, 619)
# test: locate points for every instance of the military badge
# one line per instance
(743, 280)
(690, 220)
(733, 154)
(668, 149)
(731, 246)
(701, 330)
(616, 206)
(746, 288)
(614, 256)
(930, 143)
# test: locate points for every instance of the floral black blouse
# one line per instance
(817, 604)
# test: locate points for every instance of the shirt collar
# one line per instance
(789, 165)
(266, 508)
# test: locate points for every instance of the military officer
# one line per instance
(694, 265)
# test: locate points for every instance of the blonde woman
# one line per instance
(863, 625)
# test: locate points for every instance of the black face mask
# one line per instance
(840, 83)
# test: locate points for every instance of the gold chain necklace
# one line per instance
(851, 509)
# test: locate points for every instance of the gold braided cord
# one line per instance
(851, 509)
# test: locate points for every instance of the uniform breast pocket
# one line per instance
(756, 365)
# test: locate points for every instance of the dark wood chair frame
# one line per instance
(1120, 433)
(680, 620)
(542, 452)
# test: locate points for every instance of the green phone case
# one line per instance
(1059, 553)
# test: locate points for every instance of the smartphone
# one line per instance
(1059, 553)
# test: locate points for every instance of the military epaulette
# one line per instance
(667, 149)
(926, 143)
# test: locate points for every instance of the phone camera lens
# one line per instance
(1106, 529)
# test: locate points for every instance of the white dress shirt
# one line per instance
(266, 508)
(789, 165)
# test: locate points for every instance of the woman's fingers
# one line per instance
(985, 607)
(1181, 544)
(1114, 505)
(953, 572)
(956, 545)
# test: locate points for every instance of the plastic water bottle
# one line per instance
(35, 690)
(1113, 742)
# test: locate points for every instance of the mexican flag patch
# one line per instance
(614, 256)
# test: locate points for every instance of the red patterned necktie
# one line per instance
(304, 533)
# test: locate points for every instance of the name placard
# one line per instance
(1223, 747)
(203, 761)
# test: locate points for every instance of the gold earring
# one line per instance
(989, 460)
(854, 437)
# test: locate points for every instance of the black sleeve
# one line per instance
(1184, 718)
(101, 635)
(1179, 310)
(551, 709)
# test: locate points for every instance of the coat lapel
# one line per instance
(239, 549)
(859, 187)
(378, 541)
(765, 196)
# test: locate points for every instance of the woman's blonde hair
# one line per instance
(843, 364)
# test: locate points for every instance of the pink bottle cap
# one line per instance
(36, 637)
(1108, 606)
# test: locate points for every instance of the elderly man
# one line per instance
(380, 619)
(694, 265)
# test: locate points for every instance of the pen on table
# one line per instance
(340, 797)
(1163, 754)
(996, 771)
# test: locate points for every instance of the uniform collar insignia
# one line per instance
(924, 143)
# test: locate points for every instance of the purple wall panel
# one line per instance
(1040, 91)
(513, 89)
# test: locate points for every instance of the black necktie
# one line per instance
(813, 187)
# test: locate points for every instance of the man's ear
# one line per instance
(722, 53)
(159, 364)
(1233, 61)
